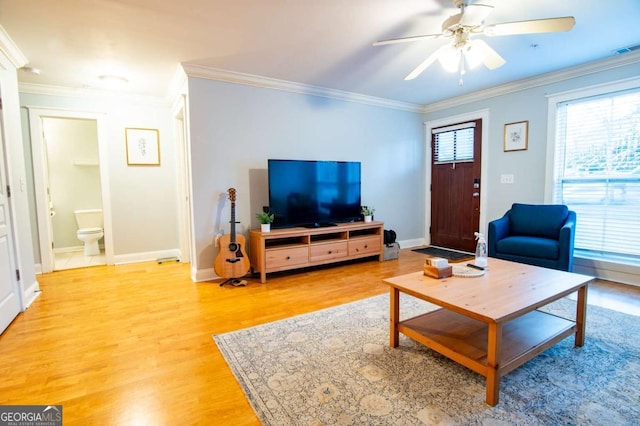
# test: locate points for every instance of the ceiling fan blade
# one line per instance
(474, 14)
(425, 64)
(549, 25)
(492, 59)
(406, 39)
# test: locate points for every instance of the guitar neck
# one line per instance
(233, 222)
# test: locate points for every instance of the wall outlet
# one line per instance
(506, 178)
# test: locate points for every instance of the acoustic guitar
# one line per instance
(232, 261)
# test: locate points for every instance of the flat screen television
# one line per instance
(313, 193)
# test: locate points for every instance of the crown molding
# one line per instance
(178, 85)
(87, 93)
(11, 50)
(541, 80)
(193, 70)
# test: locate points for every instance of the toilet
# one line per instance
(89, 230)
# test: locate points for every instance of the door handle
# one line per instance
(476, 194)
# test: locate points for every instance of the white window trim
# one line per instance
(620, 272)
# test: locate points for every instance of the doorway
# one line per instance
(455, 175)
(69, 171)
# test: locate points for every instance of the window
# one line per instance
(453, 144)
(597, 171)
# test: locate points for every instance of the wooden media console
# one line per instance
(293, 248)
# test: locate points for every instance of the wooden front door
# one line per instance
(455, 185)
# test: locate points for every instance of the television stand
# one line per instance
(294, 248)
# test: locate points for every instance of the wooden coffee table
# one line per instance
(490, 324)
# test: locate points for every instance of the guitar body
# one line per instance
(232, 260)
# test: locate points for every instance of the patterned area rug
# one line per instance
(335, 367)
(445, 253)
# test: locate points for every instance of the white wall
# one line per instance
(235, 128)
(143, 198)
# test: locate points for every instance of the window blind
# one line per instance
(453, 144)
(597, 171)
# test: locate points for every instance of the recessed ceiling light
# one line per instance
(31, 70)
(110, 78)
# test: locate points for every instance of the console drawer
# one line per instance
(282, 258)
(360, 246)
(322, 252)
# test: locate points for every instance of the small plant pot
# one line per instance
(265, 227)
(367, 218)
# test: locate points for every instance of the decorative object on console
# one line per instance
(516, 136)
(232, 261)
(143, 147)
(367, 212)
(265, 219)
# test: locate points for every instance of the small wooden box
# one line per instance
(433, 272)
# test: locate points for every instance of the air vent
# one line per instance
(627, 49)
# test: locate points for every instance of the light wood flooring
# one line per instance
(132, 345)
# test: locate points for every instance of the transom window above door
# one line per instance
(453, 144)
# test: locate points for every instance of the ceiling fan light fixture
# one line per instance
(473, 54)
(113, 80)
(449, 58)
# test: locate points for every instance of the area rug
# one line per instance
(445, 253)
(335, 367)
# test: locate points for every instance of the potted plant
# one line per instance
(265, 219)
(367, 212)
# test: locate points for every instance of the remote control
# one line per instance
(471, 265)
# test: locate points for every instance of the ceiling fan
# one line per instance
(466, 52)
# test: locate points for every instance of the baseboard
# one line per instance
(201, 275)
(122, 259)
(31, 293)
(618, 272)
(72, 249)
(417, 242)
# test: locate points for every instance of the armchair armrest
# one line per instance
(566, 240)
(498, 229)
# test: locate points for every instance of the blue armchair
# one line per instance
(541, 235)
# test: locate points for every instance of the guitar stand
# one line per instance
(234, 282)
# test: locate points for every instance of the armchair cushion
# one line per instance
(537, 220)
(529, 247)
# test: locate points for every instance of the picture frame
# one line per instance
(143, 146)
(516, 136)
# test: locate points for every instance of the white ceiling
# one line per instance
(325, 43)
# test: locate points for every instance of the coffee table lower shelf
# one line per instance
(465, 339)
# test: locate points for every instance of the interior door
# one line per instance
(455, 185)
(9, 289)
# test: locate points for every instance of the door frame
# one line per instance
(183, 165)
(483, 115)
(41, 180)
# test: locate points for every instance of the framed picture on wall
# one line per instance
(143, 147)
(516, 136)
